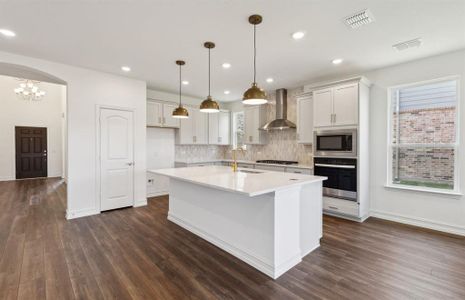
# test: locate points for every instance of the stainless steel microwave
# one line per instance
(335, 143)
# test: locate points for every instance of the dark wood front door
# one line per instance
(31, 152)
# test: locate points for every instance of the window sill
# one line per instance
(423, 189)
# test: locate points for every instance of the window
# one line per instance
(238, 129)
(423, 137)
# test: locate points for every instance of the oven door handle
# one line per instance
(335, 166)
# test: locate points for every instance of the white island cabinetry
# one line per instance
(270, 220)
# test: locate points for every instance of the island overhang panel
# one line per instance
(271, 231)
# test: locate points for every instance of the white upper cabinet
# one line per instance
(193, 130)
(254, 118)
(185, 134)
(168, 120)
(154, 113)
(200, 126)
(219, 128)
(305, 119)
(336, 106)
(159, 115)
(345, 108)
(323, 107)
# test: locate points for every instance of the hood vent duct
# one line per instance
(281, 122)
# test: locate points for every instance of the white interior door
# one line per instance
(116, 159)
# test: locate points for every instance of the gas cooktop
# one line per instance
(277, 162)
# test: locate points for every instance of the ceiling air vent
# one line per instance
(415, 43)
(359, 19)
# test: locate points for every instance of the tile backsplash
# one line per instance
(282, 145)
(192, 153)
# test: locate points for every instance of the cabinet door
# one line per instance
(224, 125)
(305, 120)
(186, 130)
(154, 113)
(252, 123)
(200, 127)
(322, 108)
(168, 120)
(345, 99)
(213, 129)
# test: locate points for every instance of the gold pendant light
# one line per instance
(180, 112)
(254, 95)
(209, 105)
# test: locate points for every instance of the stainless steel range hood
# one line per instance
(281, 122)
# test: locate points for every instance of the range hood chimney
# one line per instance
(280, 122)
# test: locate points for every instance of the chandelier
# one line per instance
(28, 90)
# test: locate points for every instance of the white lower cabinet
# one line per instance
(340, 206)
(299, 171)
(270, 168)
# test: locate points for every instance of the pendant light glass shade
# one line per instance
(180, 112)
(209, 105)
(254, 95)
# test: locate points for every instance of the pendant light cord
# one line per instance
(209, 72)
(254, 54)
(180, 85)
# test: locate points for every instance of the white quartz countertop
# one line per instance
(204, 161)
(252, 184)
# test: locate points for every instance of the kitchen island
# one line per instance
(270, 220)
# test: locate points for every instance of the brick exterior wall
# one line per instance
(426, 126)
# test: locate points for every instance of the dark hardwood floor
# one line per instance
(136, 253)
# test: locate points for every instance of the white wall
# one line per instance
(85, 90)
(435, 211)
(18, 112)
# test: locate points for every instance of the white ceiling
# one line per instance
(149, 36)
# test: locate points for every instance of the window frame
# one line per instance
(456, 146)
(234, 127)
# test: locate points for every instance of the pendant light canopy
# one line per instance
(180, 112)
(254, 95)
(209, 105)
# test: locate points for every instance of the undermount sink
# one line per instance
(250, 172)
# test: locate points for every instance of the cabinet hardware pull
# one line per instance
(334, 118)
(333, 207)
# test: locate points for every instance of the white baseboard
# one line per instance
(249, 258)
(420, 222)
(81, 213)
(7, 178)
(140, 203)
(156, 194)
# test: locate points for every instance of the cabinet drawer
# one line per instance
(246, 166)
(340, 206)
(270, 168)
(299, 171)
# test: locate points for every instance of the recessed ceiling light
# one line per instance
(226, 65)
(298, 35)
(227, 92)
(126, 68)
(185, 82)
(7, 33)
(337, 61)
(269, 80)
